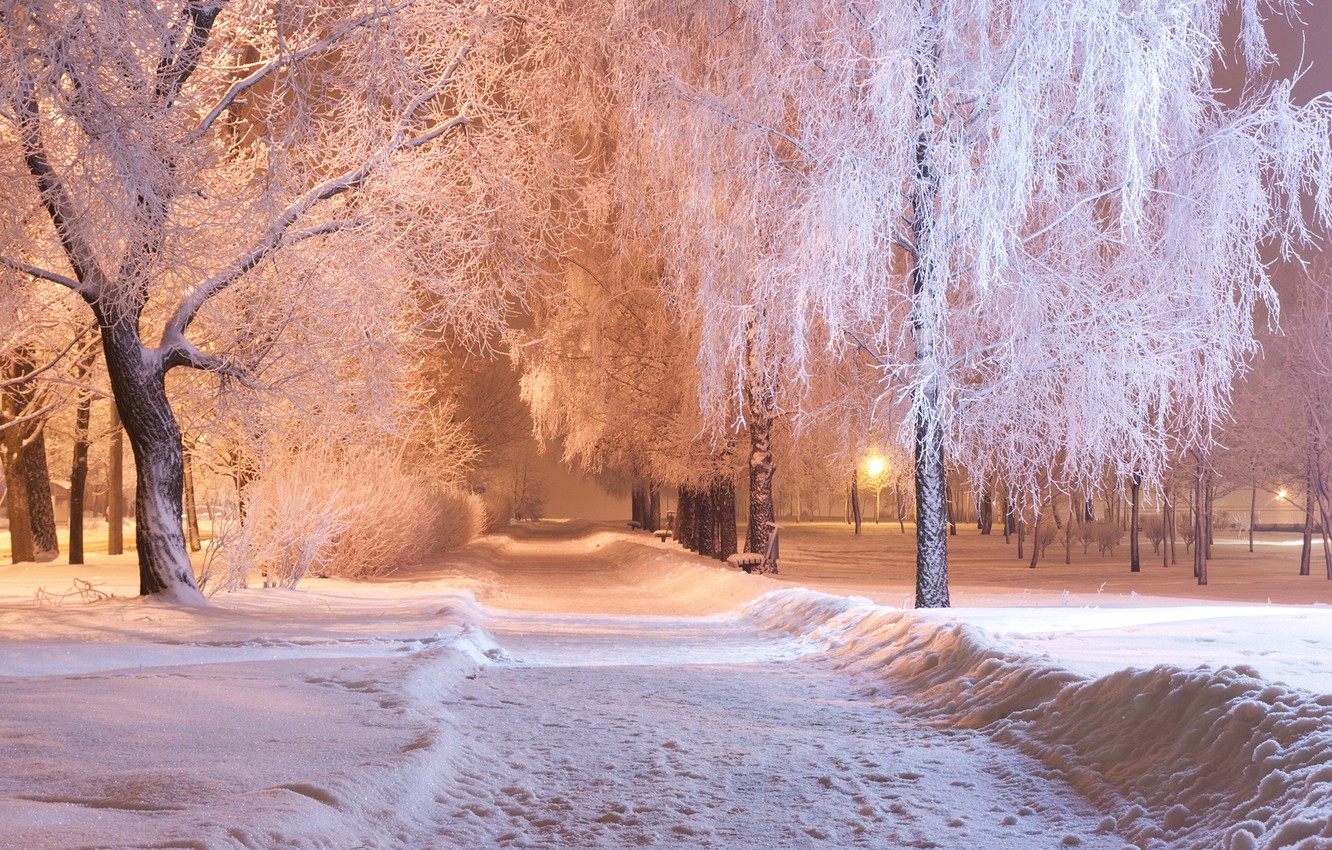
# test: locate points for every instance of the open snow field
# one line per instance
(572, 686)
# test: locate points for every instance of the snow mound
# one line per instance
(1213, 759)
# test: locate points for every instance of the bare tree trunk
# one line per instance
(855, 498)
(1168, 528)
(684, 516)
(115, 489)
(41, 507)
(1174, 528)
(760, 404)
(1200, 525)
(1253, 512)
(637, 500)
(1209, 494)
(1035, 538)
(654, 506)
(78, 477)
(725, 498)
(1135, 553)
(139, 385)
(1325, 532)
(1068, 530)
(901, 508)
(1006, 506)
(986, 520)
(705, 522)
(762, 469)
(16, 495)
(191, 512)
(950, 508)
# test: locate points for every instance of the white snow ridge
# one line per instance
(1176, 758)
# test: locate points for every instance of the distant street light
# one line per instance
(875, 468)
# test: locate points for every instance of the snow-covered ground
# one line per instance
(573, 686)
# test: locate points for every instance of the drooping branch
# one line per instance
(55, 199)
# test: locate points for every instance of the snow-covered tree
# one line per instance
(246, 166)
(1038, 216)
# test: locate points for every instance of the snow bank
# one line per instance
(1202, 758)
(300, 719)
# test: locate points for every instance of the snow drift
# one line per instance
(1202, 758)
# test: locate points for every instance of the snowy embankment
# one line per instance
(272, 719)
(1183, 758)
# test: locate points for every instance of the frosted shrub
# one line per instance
(1107, 535)
(324, 512)
(1153, 527)
(1045, 535)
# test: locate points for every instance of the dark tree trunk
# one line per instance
(684, 520)
(986, 512)
(138, 382)
(901, 506)
(1306, 550)
(855, 498)
(1168, 528)
(115, 488)
(725, 499)
(191, 511)
(1173, 525)
(16, 495)
(1200, 526)
(762, 469)
(1209, 499)
(1068, 531)
(41, 507)
(654, 506)
(1035, 540)
(1135, 554)
(78, 478)
(705, 523)
(950, 508)
(637, 502)
(15, 403)
(760, 414)
(1253, 512)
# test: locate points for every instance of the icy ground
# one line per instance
(574, 687)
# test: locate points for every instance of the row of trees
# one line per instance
(1020, 240)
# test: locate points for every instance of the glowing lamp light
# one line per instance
(1281, 494)
(875, 466)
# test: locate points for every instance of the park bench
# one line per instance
(746, 561)
(662, 534)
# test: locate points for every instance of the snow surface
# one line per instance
(573, 686)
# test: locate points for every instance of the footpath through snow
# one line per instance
(612, 692)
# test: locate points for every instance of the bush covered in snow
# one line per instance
(322, 512)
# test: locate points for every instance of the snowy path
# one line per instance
(609, 731)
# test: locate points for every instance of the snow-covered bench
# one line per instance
(662, 534)
(634, 525)
(746, 561)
